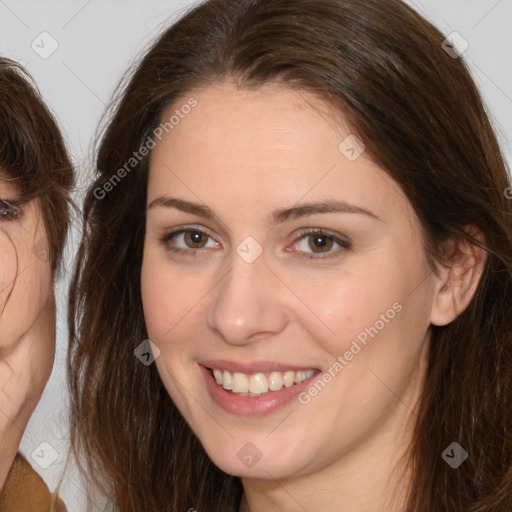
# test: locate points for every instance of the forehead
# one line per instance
(263, 147)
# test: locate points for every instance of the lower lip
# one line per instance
(256, 405)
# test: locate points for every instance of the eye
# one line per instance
(9, 211)
(317, 239)
(192, 238)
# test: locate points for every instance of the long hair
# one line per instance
(382, 67)
(33, 156)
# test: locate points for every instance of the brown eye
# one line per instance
(319, 244)
(320, 241)
(186, 240)
(195, 239)
(9, 211)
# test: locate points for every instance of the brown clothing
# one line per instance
(25, 490)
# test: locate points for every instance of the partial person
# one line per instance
(36, 177)
(294, 290)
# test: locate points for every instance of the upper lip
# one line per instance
(253, 367)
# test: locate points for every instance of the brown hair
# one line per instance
(33, 156)
(382, 67)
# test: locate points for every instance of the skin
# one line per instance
(245, 153)
(27, 323)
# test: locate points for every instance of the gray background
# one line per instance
(97, 41)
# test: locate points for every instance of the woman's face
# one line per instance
(27, 323)
(334, 322)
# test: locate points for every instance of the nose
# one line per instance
(247, 303)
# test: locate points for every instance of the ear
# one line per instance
(458, 276)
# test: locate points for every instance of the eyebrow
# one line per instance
(276, 217)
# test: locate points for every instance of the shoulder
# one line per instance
(25, 490)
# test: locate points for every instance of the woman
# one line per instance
(35, 181)
(301, 204)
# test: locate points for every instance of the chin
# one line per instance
(246, 458)
(263, 469)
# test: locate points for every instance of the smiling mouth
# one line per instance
(258, 384)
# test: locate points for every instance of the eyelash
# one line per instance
(9, 211)
(343, 243)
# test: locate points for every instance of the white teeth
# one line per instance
(288, 379)
(258, 384)
(226, 380)
(240, 383)
(218, 376)
(275, 381)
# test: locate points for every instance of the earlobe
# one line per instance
(458, 277)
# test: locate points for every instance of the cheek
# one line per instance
(373, 314)
(8, 267)
(169, 299)
(35, 279)
(342, 307)
(379, 342)
(26, 285)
